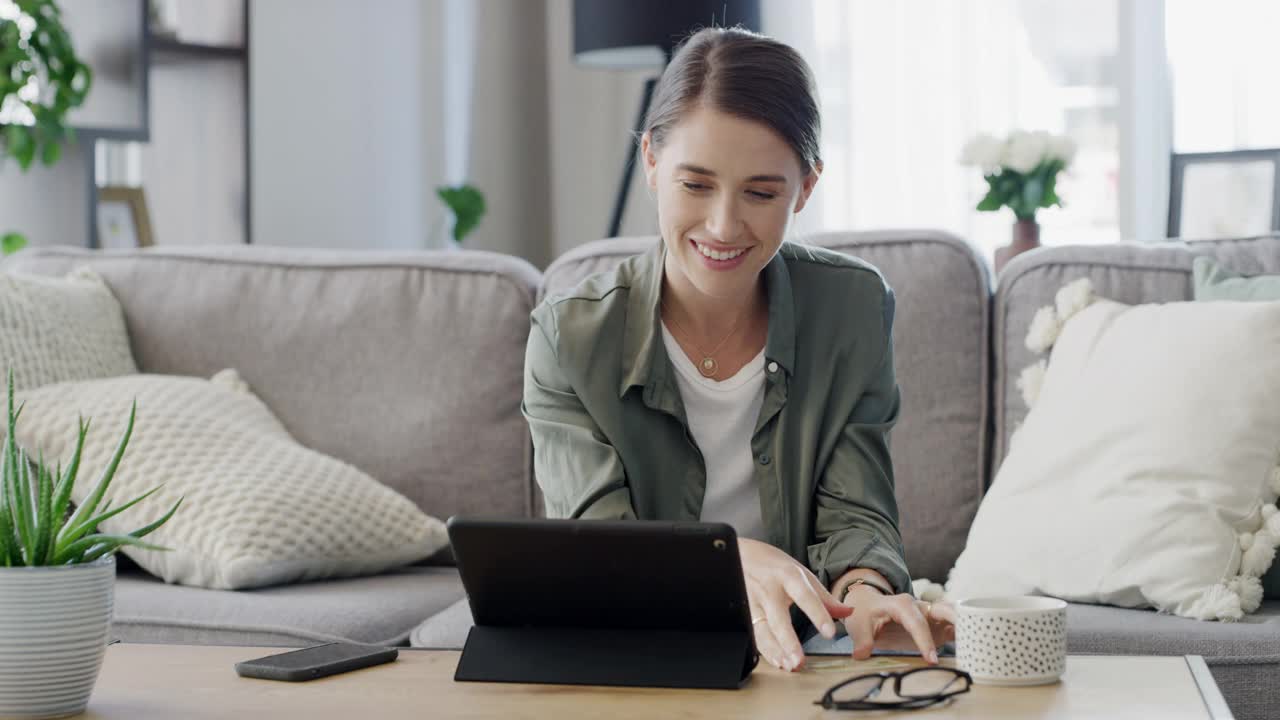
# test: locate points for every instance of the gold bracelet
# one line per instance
(863, 581)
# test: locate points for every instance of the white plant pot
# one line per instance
(53, 633)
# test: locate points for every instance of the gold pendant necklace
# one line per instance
(708, 365)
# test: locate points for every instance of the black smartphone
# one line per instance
(315, 662)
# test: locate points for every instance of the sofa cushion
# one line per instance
(1243, 656)
(446, 630)
(1126, 272)
(1212, 281)
(407, 365)
(380, 610)
(58, 329)
(258, 508)
(1143, 477)
(940, 346)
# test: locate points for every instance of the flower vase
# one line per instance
(1026, 236)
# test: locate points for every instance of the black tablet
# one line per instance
(597, 592)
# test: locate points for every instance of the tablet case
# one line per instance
(596, 602)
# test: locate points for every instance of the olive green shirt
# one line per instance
(611, 439)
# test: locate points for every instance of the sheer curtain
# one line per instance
(905, 84)
(1223, 61)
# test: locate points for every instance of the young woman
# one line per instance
(729, 376)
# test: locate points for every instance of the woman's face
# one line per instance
(726, 190)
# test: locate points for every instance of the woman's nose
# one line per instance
(725, 223)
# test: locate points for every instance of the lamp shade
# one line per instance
(641, 34)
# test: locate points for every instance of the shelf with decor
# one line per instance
(185, 166)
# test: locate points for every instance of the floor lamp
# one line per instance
(642, 35)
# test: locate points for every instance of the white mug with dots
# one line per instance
(1012, 640)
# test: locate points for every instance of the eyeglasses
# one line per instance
(914, 689)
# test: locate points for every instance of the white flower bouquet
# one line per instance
(1021, 170)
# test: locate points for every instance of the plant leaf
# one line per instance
(11, 243)
(91, 525)
(90, 504)
(467, 205)
(75, 550)
(6, 530)
(46, 524)
(146, 530)
(50, 152)
(20, 503)
(67, 480)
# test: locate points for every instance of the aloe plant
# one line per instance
(35, 526)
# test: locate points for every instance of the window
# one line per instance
(1223, 63)
(905, 84)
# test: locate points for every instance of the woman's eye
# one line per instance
(693, 186)
(761, 195)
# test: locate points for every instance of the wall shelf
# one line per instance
(166, 51)
(197, 191)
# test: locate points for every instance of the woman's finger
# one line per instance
(765, 642)
(907, 611)
(810, 603)
(776, 607)
(943, 612)
(836, 609)
(862, 629)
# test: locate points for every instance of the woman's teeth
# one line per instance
(717, 255)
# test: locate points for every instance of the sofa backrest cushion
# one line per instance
(941, 335)
(407, 365)
(1129, 273)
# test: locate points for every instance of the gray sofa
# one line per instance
(409, 366)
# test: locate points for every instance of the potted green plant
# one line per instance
(41, 81)
(57, 577)
(465, 206)
(1022, 174)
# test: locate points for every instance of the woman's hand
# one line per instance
(774, 582)
(897, 622)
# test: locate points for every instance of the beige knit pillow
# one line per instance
(58, 329)
(259, 508)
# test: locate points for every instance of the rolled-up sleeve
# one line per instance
(580, 473)
(856, 523)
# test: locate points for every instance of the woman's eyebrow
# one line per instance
(711, 173)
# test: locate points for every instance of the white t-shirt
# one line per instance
(722, 416)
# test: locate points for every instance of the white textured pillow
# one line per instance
(1146, 474)
(60, 329)
(259, 508)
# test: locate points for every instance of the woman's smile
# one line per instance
(719, 258)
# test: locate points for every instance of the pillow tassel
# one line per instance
(1250, 591)
(928, 590)
(1044, 330)
(1260, 553)
(1030, 381)
(1072, 298)
(1271, 519)
(1217, 602)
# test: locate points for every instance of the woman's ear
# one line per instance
(806, 187)
(649, 159)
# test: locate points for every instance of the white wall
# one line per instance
(47, 205)
(353, 115)
(337, 131)
(509, 153)
(592, 114)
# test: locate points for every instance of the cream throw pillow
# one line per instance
(1146, 474)
(58, 329)
(259, 508)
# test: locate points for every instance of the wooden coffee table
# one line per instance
(140, 682)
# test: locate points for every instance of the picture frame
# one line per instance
(122, 218)
(1224, 194)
